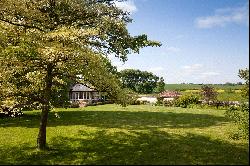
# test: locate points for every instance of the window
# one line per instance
(87, 95)
(81, 95)
(77, 95)
(84, 95)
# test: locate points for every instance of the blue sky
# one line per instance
(203, 41)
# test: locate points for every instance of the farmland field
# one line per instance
(225, 92)
(110, 134)
(182, 87)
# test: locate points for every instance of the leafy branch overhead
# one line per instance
(100, 26)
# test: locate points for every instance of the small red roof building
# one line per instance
(169, 94)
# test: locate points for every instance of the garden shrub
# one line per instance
(240, 115)
(168, 103)
(159, 101)
(75, 105)
(136, 102)
(109, 102)
(144, 102)
(186, 100)
(127, 97)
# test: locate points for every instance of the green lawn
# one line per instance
(110, 134)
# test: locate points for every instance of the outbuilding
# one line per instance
(169, 95)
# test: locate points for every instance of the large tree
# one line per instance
(138, 81)
(45, 44)
(160, 85)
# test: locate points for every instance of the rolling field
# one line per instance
(225, 92)
(182, 87)
(110, 134)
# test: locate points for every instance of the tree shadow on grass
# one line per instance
(133, 147)
(120, 119)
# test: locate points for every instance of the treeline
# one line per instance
(141, 81)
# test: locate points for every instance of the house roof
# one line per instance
(169, 94)
(82, 87)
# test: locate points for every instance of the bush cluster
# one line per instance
(169, 103)
(159, 101)
(240, 115)
(75, 104)
(186, 100)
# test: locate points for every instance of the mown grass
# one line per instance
(110, 134)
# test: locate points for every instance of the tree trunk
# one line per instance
(41, 139)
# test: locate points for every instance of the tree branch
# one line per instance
(22, 25)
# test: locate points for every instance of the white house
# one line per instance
(83, 94)
(149, 99)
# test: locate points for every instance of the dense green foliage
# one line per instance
(244, 74)
(139, 81)
(127, 97)
(134, 135)
(185, 100)
(240, 114)
(160, 85)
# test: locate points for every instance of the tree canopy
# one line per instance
(45, 44)
(208, 93)
(139, 81)
(160, 85)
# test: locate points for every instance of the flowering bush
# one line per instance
(10, 112)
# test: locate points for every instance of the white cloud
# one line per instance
(198, 70)
(127, 6)
(199, 74)
(211, 73)
(224, 16)
(192, 68)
